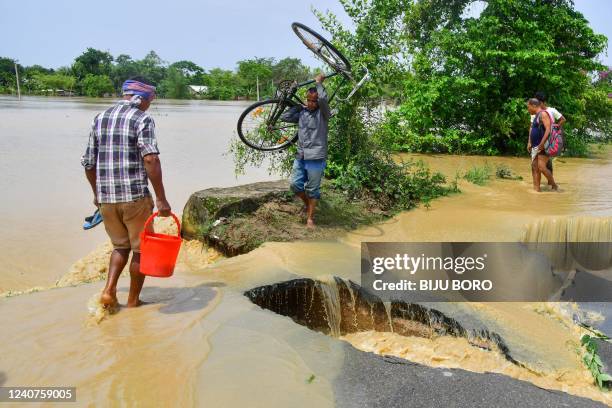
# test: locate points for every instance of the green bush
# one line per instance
(575, 143)
(373, 174)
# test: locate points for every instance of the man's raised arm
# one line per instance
(323, 103)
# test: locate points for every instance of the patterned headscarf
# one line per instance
(132, 87)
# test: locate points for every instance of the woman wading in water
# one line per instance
(540, 130)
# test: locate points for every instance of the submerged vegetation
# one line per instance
(504, 172)
(478, 175)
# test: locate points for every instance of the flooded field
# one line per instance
(45, 195)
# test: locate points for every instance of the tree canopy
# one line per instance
(461, 81)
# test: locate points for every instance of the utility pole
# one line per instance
(17, 77)
(257, 87)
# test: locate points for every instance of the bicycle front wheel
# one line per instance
(260, 127)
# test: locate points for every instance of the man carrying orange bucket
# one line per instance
(120, 158)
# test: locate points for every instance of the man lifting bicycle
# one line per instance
(310, 160)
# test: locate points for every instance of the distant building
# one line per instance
(57, 92)
(198, 90)
(62, 92)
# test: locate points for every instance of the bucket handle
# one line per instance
(156, 213)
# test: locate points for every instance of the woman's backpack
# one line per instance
(554, 143)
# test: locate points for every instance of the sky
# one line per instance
(211, 33)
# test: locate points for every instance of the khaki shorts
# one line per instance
(125, 221)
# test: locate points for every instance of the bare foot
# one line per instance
(108, 300)
(310, 223)
(137, 303)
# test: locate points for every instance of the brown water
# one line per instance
(202, 343)
(44, 192)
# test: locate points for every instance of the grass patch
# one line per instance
(478, 175)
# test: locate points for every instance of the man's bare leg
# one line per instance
(535, 174)
(312, 203)
(136, 281)
(302, 195)
(542, 161)
(118, 260)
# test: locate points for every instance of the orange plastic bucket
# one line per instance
(158, 252)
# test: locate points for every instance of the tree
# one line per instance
(123, 69)
(375, 44)
(477, 72)
(152, 67)
(35, 69)
(252, 71)
(7, 73)
(190, 70)
(94, 62)
(29, 78)
(290, 69)
(599, 101)
(464, 80)
(175, 84)
(222, 84)
(97, 85)
(64, 71)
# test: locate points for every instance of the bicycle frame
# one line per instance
(290, 98)
(345, 77)
(257, 130)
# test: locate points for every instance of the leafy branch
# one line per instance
(592, 360)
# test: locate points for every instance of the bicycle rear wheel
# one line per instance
(260, 127)
(322, 48)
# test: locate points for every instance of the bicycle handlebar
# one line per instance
(363, 80)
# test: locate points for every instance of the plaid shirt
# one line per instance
(119, 139)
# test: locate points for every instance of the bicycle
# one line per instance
(260, 127)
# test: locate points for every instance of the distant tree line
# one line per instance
(97, 73)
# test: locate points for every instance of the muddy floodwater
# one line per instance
(200, 341)
(44, 192)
